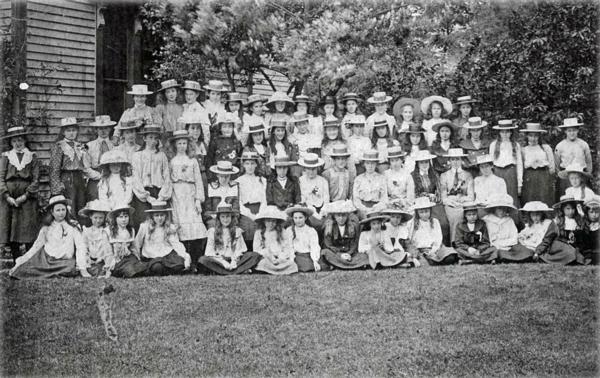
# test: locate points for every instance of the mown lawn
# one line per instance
(463, 320)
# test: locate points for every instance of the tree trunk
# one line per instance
(229, 77)
(268, 79)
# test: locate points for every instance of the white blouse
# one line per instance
(503, 232)
(115, 190)
(428, 235)
(370, 239)
(306, 241)
(159, 243)
(231, 249)
(315, 191)
(532, 235)
(252, 189)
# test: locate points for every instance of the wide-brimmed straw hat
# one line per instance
(255, 98)
(151, 129)
(224, 167)
(114, 156)
(483, 159)
(593, 202)
(465, 100)
(380, 121)
(117, 209)
(14, 132)
(139, 90)
(402, 102)
(396, 208)
(192, 85)
(531, 127)
(102, 121)
(505, 124)
(573, 168)
(395, 152)
(283, 161)
(300, 207)
(439, 125)
(338, 207)
(301, 98)
(235, 97)
(351, 96)
(249, 155)
(255, 128)
(69, 121)
(427, 101)
(270, 212)
(536, 206)
(331, 121)
(564, 199)
(455, 153)
(310, 160)
(299, 118)
(423, 155)
(128, 125)
(225, 208)
(570, 122)
(423, 203)
(501, 200)
(468, 206)
(159, 207)
(171, 83)
(215, 85)
(55, 200)
(95, 206)
(371, 155)
(339, 150)
(274, 123)
(379, 98)
(279, 96)
(374, 215)
(474, 123)
(179, 134)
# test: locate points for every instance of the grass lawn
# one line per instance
(463, 320)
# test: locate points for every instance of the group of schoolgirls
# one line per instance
(390, 190)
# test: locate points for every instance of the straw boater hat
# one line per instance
(274, 123)
(594, 202)
(55, 200)
(423, 203)
(505, 124)
(380, 121)
(402, 102)
(351, 96)
(225, 208)
(396, 208)
(501, 200)
(279, 96)
(328, 100)
(224, 167)
(371, 155)
(339, 150)
(427, 101)
(255, 128)
(95, 206)
(114, 156)
(300, 207)
(573, 168)
(395, 152)
(468, 206)
(255, 98)
(455, 153)
(414, 128)
(128, 125)
(564, 199)
(139, 90)
(533, 128)
(249, 155)
(215, 85)
(439, 125)
(299, 118)
(102, 121)
(179, 134)
(69, 121)
(465, 100)
(374, 215)
(192, 85)
(536, 206)
(338, 207)
(229, 118)
(14, 132)
(168, 84)
(483, 159)
(302, 98)
(283, 161)
(475, 123)
(159, 207)
(151, 129)
(332, 121)
(570, 122)
(311, 160)
(270, 212)
(423, 155)
(235, 97)
(357, 120)
(379, 98)
(119, 208)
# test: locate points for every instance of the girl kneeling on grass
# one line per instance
(273, 242)
(572, 236)
(341, 237)
(539, 231)
(226, 251)
(161, 251)
(427, 235)
(95, 237)
(125, 256)
(305, 241)
(53, 252)
(375, 242)
(472, 242)
(502, 229)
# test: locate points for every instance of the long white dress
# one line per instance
(187, 188)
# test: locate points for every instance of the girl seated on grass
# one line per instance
(539, 232)
(226, 251)
(58, 251)
(340, 239)
(592, 212)
(375, 243)
(305, 241)
(125, 261)
(399, 230)
(273, 243)
(161, 251)
(98, 250)
(572, 236)
(502, 229)
(427, 235)
(471, 239)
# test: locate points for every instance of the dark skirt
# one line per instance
(139, 216)
(538, 185)
(96, 269)
(248, 261)
(439, 213)
(562, 253)
(75, 189)
(41, 265)
(18, 224)
(248, 226)
(129, 267)
(509, 175)
(305, 263)
(443, 256)
(516, 253)
(485, 255)
(92, 190)
(167, 265)
(358, 261)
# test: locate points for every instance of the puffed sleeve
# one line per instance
(80, 249)
(167, 186)
(364, 243)
(34, 186)
(588, 156)
(88, 171)
(138, 184)
(356, 194)
(56, 185)
(550, 157)
(37, 245)
(551, 234)
(436, 237)
(210, 243)
(315, 248)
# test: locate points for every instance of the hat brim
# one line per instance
(167, 210)
(370, 159)
(371, 100)
(78, 124)
(193, 89)
(87, 212)
(469, 127)
(438, 126)
(269, 216)
(401, 103)
(255, 131)
(505, 127)
(536, 211)
(169, 87)
(176, 137)
(417, 159)
(320, 163)
(471, 101)
(564, 202)
(65, 202)
(567, 126)
(307, 211)
(139, 94)
(110, 124)
(13, 135)
(383, 218)
(116, 211)
(209, 88)
(533, 131)
(357, 99)
(485, 162)
(402, 155)
(144, 132)
(430, 206)
(215, 169)
(127, 127)
(347, 154)
(565, 174)
(427, 101)
(492, 206)
(405, 217)
(114, 162)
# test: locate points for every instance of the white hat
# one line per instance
(311, 160)
(379, 98)
(271, 212)
(139, 90)
(446, 103)
(570, 122)
(423, 202)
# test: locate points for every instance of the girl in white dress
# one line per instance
(116, 185)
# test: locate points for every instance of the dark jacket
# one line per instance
(465, 238)
(347, 243)
(283, 197)
(221, 148)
